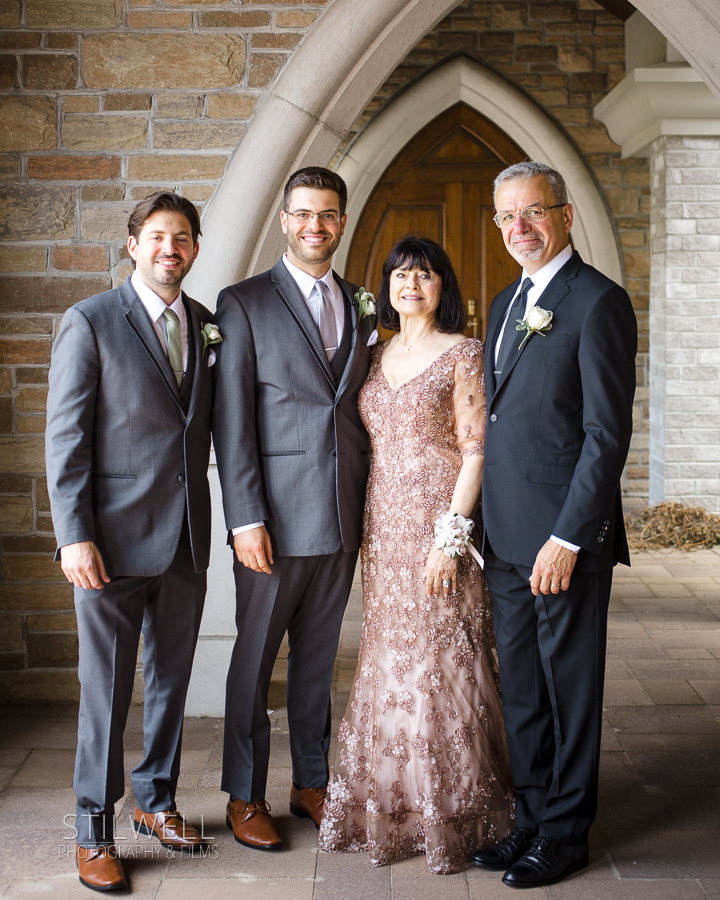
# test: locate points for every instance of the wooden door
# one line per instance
(440, 185)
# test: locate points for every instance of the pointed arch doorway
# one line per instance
(440, 185)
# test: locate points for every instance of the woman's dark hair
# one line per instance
(413, 251)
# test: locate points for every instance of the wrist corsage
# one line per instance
(452, 535)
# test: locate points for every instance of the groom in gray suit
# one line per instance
(293, 458)
(128, 444)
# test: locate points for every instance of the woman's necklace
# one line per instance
(412, 344)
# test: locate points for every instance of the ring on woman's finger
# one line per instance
(554, 584)
(445, 583)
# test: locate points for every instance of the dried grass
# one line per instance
(673, 525)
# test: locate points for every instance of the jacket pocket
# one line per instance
(539, 473)
(106, 475)
(285, 453)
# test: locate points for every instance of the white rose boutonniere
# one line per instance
(365, 302)
(210, 335)
(537, 321)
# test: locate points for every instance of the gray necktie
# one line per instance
(510, 335)
(174, 344)
(326, 320)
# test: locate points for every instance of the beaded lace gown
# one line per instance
(421, 764)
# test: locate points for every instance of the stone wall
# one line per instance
(101, 102)
(567, 56)
(104, 101)
(685, 317)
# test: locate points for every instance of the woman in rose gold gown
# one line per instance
(421, 764)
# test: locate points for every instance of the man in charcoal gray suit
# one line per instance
(293, 458)
(559, 381)
(128, 445)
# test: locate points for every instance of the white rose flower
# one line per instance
(538, 319)
(213, 332)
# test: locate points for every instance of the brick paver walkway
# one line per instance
(657, 836)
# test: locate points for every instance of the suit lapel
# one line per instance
(292, 298)
(140, 323)
(550, 299)
(194, 369)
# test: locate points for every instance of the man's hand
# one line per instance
(83, 565)
(553, 568)
(254, 550)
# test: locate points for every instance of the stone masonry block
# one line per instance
(9, 13)
(593, 139)
(6, 415)
(23, 259)
(81, 103)
(74, 13)
(9, 79)
(34, 424)
(80, 258)
(42, 498)
(30, 213)
(179, 106)
(59, 650)
(105, 132)
(38, 294)
(20, 40)
(16, 514)
(202, 135)
(38, 687)
(11, 636)
(176, 167)
(74, 168)
(32, 399)
(61, 41)
(29, 123)
(288, 39)
(509, 16)
(263, 67)
(26, 325)
(103, 193)
(230, 18)
(160, 19)
(295, 18)
(163, 61)
(575, 58)
(231, 106)
(30, 566)
(127, 102)
(50, 72)
(22, 455)
(105, 223)
(52, 622)
(24, 352)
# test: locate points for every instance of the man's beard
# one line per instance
(529, 255)
(313, 255)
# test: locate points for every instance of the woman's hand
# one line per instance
(438, 568)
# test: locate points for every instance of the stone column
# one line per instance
(685, 321)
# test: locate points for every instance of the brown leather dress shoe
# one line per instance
(307, 803)
(252, 824)
(99, 868)
(169, 828)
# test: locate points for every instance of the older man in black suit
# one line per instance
(560, 380)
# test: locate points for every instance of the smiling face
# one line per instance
(164, 252)
(310, 245)
(533, 246)
(415, 292)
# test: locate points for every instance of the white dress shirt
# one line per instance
(306, 284)
(540, 279)
(155, 307)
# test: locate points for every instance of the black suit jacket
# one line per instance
(559, 423)
(291, 447)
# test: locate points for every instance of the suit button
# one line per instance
(181, 478)
(600, 540)
(333, 453)
(606, 522)
(493, 418)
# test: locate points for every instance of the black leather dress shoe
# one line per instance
(506, 852)
(546, 862)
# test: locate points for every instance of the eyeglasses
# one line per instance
(304, 217)
(530, 215)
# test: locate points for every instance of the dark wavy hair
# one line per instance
(415, 251)
(164, 201)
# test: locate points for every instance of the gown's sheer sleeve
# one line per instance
(469, 401)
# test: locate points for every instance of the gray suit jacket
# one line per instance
(290, 444)
(127, 452)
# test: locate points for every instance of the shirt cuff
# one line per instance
(246, 527)
(573, 547)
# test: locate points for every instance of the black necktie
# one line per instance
(511, 335)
